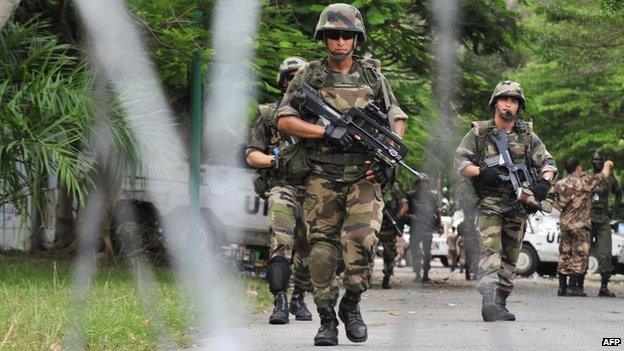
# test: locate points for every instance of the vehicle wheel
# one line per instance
(210, 234)
(592, 265)
(528, 261)
(444, 261)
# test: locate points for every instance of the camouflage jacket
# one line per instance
(574, 199)
(525, 147)
(362, 85)
(599, 211)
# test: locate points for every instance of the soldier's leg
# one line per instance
(601, 232)
(282, 214)
(511, 242)
(390, 253)
(580, 246)
(417, 253)
(324, 211)
(489, 227)
(426, 247)
(358, 239)
(301, 273)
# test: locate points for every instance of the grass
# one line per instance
(36, 308)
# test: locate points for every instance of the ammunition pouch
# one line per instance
(293, 163)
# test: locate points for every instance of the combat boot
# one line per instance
(349, 313)
(327, 334)
(574, 288)
(425, 276)
(563, 285)
(604, 282)
(489, 309)
(280, 311)
(298, 307)
(385, 283)
(501, 301)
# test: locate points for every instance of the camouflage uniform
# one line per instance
(600, 217)
(574, 200)
(500, 235)
(285, 214)
(342, 208)
(388, 233)
(424, 220)
(468, 200)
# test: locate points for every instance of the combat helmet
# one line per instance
(508, 88)
(343, 17)
(292, 63)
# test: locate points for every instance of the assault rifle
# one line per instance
(390, 152)
(522, 178)
(390, 218)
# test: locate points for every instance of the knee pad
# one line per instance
(323, 261)
(278, 274)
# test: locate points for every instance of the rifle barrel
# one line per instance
(414, 172)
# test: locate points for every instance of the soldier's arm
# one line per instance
(288, 119)
(590, 182)
(257, 145)
(542, 159)
(465, 154)
(394, 110)
(560, 199)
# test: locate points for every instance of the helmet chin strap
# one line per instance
(506, 116)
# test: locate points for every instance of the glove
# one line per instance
(338, 136)
(489, 177)
(541, 189)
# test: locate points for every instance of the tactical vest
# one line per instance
(520, 150)
(343, 92)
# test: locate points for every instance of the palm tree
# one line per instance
(48, 110)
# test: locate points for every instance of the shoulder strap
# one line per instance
(373, 76)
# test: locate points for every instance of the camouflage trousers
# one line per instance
(500, 238)
(573, 251)
(420, 246)
(341, 218)
(389, 244)
(601, 246)
(287, 230)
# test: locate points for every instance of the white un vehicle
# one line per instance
(540, 248)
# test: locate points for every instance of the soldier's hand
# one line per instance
(488, 176)
(338, 136)
(440, 231)
(540, 190)
(379, 173)
(609, 164)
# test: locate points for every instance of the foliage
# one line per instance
(36, 307)
(574, 77)
(45, 103)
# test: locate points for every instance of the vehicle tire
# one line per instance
(444, 261)
(592, 265)
(211, 231)
(528, 261)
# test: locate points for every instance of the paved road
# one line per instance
(445, 315)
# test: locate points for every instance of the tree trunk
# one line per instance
(6, 9)
(64, 227)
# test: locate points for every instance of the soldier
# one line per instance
(468, 202)
(391, 228)
(424, 216)
(343, 202)
(501, 233)
(574, 200)
(601, 214)
(286, 225)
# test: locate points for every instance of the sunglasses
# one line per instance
(336, 34)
